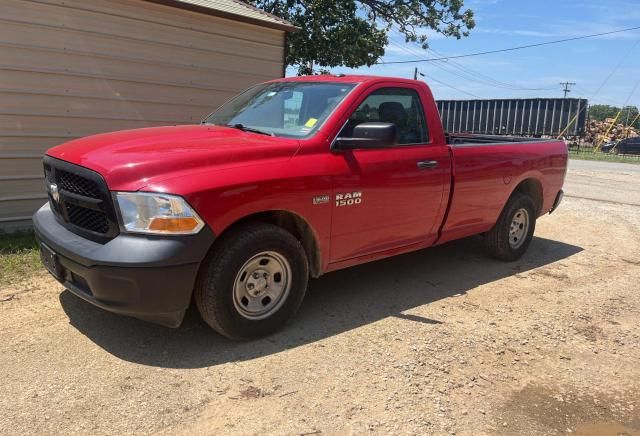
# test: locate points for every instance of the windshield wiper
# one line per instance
(249, 129)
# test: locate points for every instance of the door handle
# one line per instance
(427, 164)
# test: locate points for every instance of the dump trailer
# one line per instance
(522, 116)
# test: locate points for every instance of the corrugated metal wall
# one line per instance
(524, 116)
(70, 68)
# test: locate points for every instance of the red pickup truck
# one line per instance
(289, 180)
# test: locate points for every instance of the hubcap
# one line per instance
(262, 285)
(519, 228)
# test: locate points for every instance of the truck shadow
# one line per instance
(335, 303)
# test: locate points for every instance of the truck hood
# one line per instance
(131, 159)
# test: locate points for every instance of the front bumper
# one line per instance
(148, 277)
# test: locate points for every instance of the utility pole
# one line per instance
(566, 86)
(628, 113)
(416, 72)
(626, 123)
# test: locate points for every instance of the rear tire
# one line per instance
(510, 237)
(252, 282)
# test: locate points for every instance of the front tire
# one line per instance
(510, 237)
(253, 281)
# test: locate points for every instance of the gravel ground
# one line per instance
(441, 341)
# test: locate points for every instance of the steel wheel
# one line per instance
(262, 285)
(519, 228)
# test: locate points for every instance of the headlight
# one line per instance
(145, 212)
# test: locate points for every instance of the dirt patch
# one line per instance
(552, 410)
(605, 429)
(251, 392)
(442, 341)
(590, 332)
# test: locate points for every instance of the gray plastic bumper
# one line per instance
(148, 277)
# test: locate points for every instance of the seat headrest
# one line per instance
(393, 112)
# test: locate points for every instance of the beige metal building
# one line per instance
(70, 68)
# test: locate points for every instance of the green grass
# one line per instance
(587, 155)
(19, 257)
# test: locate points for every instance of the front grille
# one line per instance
(78, 185)
(93, 220)
(81, 200)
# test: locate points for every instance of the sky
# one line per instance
(509, 23)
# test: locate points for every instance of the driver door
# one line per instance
(390, 197)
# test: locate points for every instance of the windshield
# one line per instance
(292, 109)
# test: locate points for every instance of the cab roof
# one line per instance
(343, 78)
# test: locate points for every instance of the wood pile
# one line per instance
(596, 131)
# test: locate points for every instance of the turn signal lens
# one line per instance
(173, 225)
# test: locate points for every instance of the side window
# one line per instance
(400, 106)
(633, 146)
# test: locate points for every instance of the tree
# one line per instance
(599, 112)
(628, 114)
(353, 33)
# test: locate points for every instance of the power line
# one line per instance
(416, 73)
(465, 72)
(485, 78)
(558, 41)
(450, 86)
(617, 67)
(633, 91)
(475, 76)
(612, 72)
(604, 82)
(593, 100)
(468, 74)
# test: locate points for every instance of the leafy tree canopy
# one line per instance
(353, 33)
(628, 114)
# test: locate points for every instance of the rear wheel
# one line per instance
(510, 237)
(253, 282)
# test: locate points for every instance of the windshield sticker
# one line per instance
(311, 122)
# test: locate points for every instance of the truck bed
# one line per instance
(469, 138)
(485, 171)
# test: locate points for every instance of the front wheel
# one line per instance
(253, 281)
(512, 234)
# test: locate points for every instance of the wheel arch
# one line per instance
(532, 187)
(292, 222)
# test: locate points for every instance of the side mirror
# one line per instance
(369, 135)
